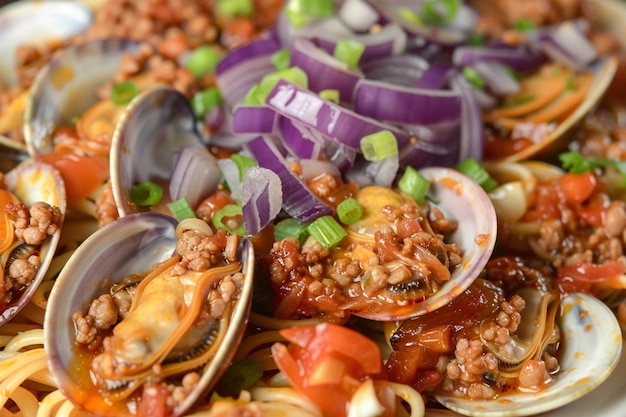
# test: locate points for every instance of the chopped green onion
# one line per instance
(476, 39)
(524, 24)
(232, 8)
(123, 93)
(349, 211)
(241, 375)
(327, 231)
(472, 169)
(518, 102)
(570, 83)
(379, 145)
(203, 60)
(410, 16)
(181, 209)
(291, 228)
(349, 52)
(473, 77)
(414, 184)
(440, 12)
(260, 91)
(302, 12)
(243, 162)
(576, 163)
(281, 59)
(205, 100)
(330, 95)
(146, 194)
(230, 218)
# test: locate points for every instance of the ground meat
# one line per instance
(468, 368)
(34, 225)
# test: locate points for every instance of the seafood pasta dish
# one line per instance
(325, 208)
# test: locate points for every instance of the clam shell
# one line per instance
(462, 199)
(34, 23)
(604, 70)
(128, 245)
(155, 127)
(592, 349)
(66, 87)
(34, 182)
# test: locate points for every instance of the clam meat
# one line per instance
(167, 310)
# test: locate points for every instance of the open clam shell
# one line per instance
(33, 182)
(461, 199)
(35, 23)
(155, 127)
(129, 245)
(604, 70)
(67, 85)
(591, 350)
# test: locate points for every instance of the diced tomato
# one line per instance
(594, 211)
(582, 276)
(576, 188)
(153, 402)
(82, 174)
(327, 363)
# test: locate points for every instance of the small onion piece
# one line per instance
(296, 140)
(243, 67)
(327, 118)
(497, 78)
(298, 201)
(403, 69)
(358, 15)
(567, 44)
(256, 120)
(195, 176)
(261, 198)
(522, 59)
(472, 142)
(397, 104)
(324, 71)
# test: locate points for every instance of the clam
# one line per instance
(156, 126)
(116, 260)
(459, 198)
(602, 72)
(37, 23)
(33, 23)
(591, 348)
(29, 183)
(67, 85)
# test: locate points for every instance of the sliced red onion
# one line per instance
(229, 140)
(214, 119)
(567, 44)
(195, 176)
(254, 120)
(298, 200)
(522, 59)
(435, 145)
(230, 173)
(398, 104)
(297, 141)
(358, 15)
(261, 198)
(340, 155)
(436, 76)
(286, 33)
(381, 172)
(327, 118)
(498, 79)
(243, 67)
(472, 141)
(402, 69)
(324, 71)
(390, 40)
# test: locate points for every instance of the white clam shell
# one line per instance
(592, 349)
(35, 23)
(155, 127)
(128, 245)
(461, 199)
(66, 87)
(34, 182)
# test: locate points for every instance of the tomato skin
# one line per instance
(576, 188)
(582, 276)
(327, 363)
(153, 402)
(82, 174)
